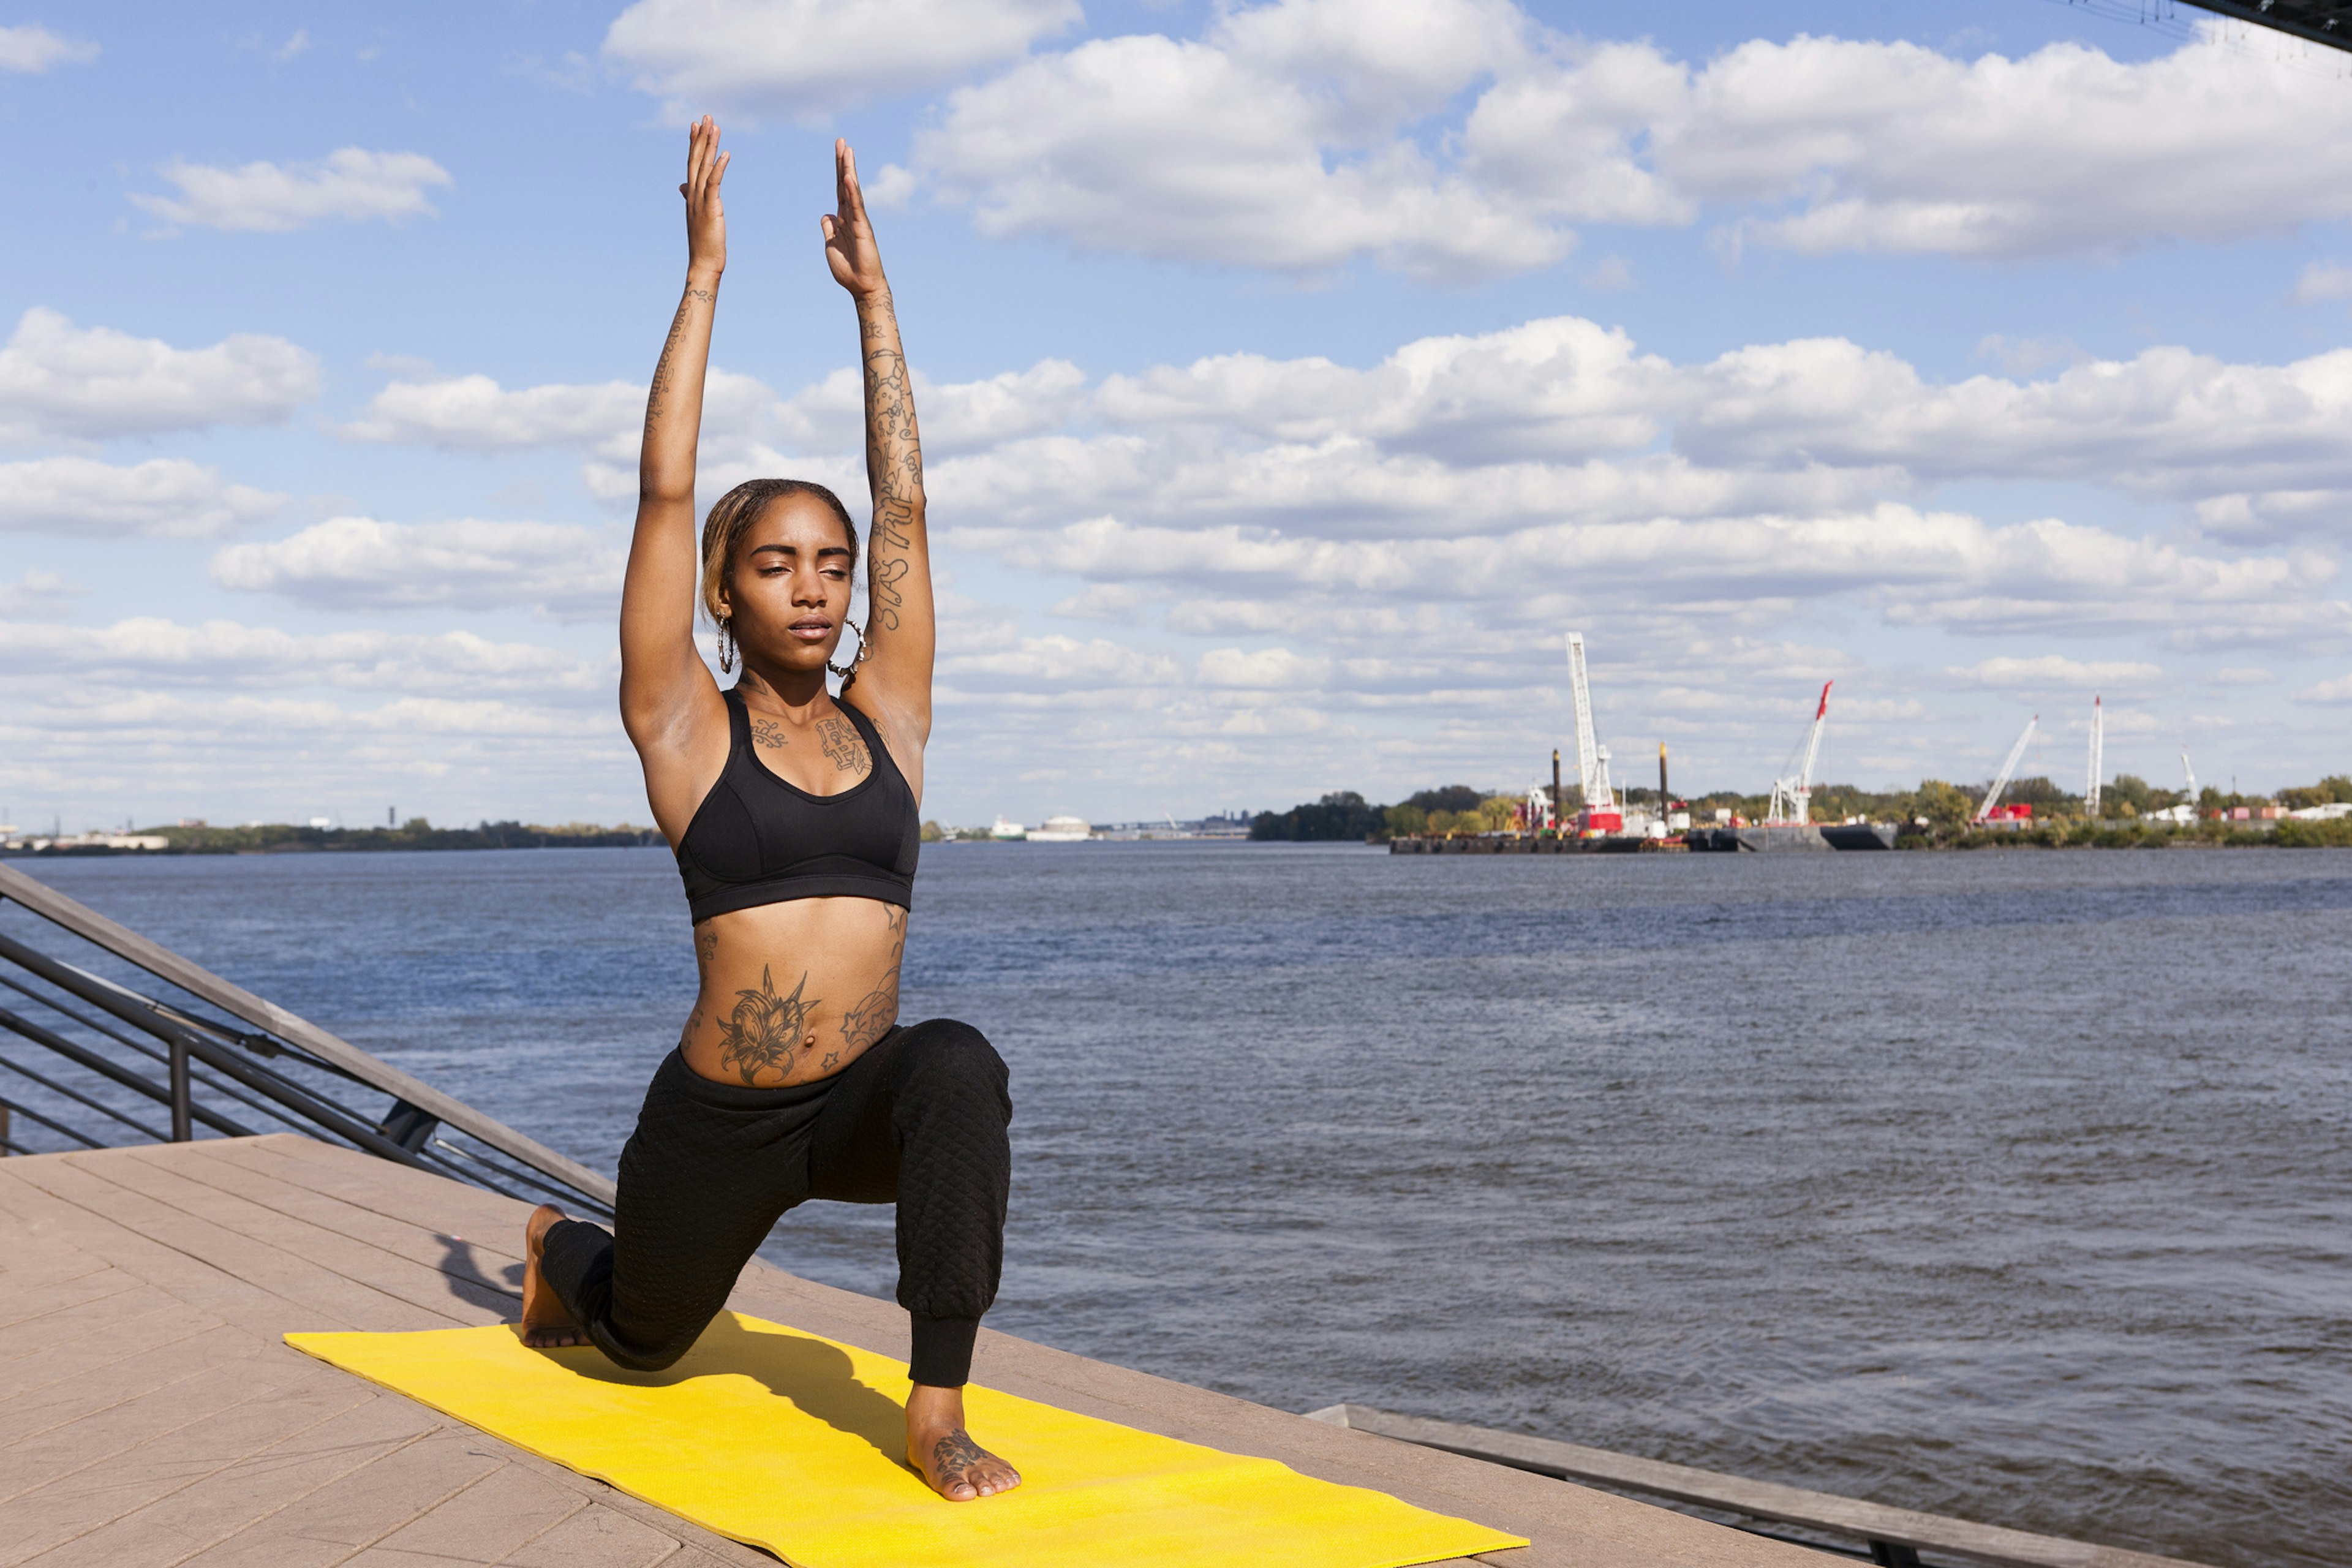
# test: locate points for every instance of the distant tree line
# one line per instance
(1938, 809)
(417, 832)
(1343, 815)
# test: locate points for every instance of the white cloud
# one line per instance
(1824, 419)
(146, 649)
(958, 417)
(2168, 422)
(1104, 602)
(352, 184)
(1919, 568)
(32, 49)
(1189, 149)
(38, 597)
(1292, 136)
(806, 59)
(357, 563)
(889, 188)
(1057, 661)
(2323, 281)
(747, 432)
(2046, 671)
(59, 382)
(2335, 692)
(2272, 517)
(473, 412)
(1263, 669)
(1895, 147)
(162, 498)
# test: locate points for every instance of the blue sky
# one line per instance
(1297, 373)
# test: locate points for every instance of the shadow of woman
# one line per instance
(469, 1279)
(815, 1376)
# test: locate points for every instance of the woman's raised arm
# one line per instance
(665, 685)
(895, 683)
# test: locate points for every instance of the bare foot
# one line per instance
(546, 1326)
(958, 1468)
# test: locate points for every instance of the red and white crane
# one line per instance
(2008, 769)
(1600, 813)
(1792, 797)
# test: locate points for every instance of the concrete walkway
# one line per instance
(149, 1414)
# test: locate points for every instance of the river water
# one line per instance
(2013, 1185)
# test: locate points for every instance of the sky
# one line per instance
(1293, 377)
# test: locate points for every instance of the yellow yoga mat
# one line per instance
(791, 1441)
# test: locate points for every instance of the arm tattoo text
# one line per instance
(662, 374)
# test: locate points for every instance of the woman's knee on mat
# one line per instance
(647, 1347)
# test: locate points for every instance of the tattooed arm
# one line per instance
(895, 685)
(669, 704)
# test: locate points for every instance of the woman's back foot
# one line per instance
(546, 1326)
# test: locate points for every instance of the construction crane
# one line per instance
(2098, 758)
(2000, 780)
(1600, 813)
(1792, 798)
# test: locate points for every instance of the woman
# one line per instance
(793, 815)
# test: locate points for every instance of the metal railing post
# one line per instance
(183, 1119)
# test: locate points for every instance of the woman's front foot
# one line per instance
(546, 1326)
(958, 1468)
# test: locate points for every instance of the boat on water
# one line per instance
(1777, 837)
(1062, 830)
(1008, 830)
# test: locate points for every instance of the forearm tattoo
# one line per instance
(662, 372)
(894, 461)
(871, 1018)
(765, 1030)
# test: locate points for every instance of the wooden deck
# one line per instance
(149, 1414)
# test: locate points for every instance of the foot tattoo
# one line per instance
(960, 1469)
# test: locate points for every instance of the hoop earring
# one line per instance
(864, 647)
(726, 644)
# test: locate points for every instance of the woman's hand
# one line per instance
(848, 237)
(706, 223)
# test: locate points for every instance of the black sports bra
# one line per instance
(756, 840)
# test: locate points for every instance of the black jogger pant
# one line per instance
(919, 1120)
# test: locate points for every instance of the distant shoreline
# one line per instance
(282, 838)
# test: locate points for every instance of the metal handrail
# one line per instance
(224, 1089)
(68, 1092)
(196, 1050)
